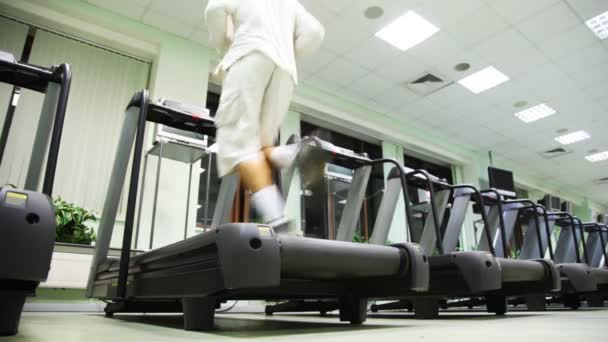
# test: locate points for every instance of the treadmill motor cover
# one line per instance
(27, 230)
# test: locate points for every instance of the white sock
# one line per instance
(283, 156)
(269, 204)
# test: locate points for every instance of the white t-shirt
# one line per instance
(279, 29)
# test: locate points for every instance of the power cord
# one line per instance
(230, 308)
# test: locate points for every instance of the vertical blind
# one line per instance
(102, 85)
(12, 39)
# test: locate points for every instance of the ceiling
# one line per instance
(544, 46)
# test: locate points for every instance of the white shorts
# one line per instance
(255, 99)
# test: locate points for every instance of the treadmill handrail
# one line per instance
(429, 184)
(530, 205)
(600, 229)
(403, 178)
(582, 231)
(39, 78)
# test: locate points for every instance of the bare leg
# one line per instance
(266, 198)
(256, 175)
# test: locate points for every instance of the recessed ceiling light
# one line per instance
(520, 104)
(572, 138)
(462, 67)
(535, 113)
(599, 25)
(407, 31)
(598, 157)
(483, 80)
(374, 12)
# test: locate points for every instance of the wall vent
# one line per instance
(555, 152)
(427, 83)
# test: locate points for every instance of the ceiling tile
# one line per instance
(320, 12)
(186, 12)
(521, 62)
(434, 50)
(131, 9)
(549, 22)
(371, 85)
(594, 54)
(371, 53)
(310, 65)
(342, 72)
(341, 38)
(588, 9)
(442, 13)
(447, 65)
(164, 22)
(397, 97)
(336, 5)
(393, 9)
(479, 25)
(505, 43)
(591, 75)
(576, 38)
(516, 10)
(402, 68)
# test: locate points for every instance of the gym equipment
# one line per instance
(362, 166)
(232, 261)
(596, 241)
(179, 146)
(27, 217)
(485, 273)
(575, 278)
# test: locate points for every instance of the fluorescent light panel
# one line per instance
(483, 80)
(407, 31)
(535, 113)
(599, 25)
(572, 138)
(598, 157)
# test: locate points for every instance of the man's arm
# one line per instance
(219, 23)
(309, 33)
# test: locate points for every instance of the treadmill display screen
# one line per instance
(501, 179)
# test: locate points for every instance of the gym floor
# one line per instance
(584, 325)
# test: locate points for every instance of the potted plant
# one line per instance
(71, 220)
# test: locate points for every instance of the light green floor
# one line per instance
(585, 325)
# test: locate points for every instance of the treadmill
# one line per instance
(574, 277)
(573, 235)
(27, 217)
(232, 261)
(459, 275)
(596, 241)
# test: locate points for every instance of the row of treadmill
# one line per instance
(248, 261)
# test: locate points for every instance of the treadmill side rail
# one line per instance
(249, 256)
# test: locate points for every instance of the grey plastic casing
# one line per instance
(26, 246)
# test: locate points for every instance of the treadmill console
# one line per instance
(187, 137)
(340, 155)
(187, 109)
